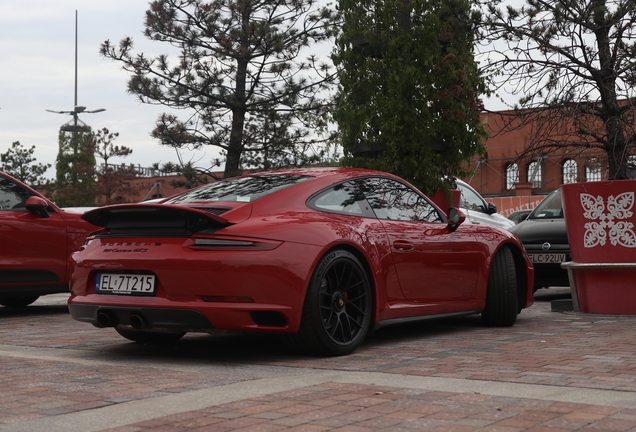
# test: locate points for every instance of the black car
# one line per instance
(519, 216)
(544, 236)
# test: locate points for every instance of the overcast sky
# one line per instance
(37, 57)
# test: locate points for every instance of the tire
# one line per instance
(502, 295)
(17, 302)
(150, 337)
(337, 311)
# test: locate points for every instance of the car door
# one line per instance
(433, 262)
(32, 247)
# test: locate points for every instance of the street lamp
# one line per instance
(76, 124)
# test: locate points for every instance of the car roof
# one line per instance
(325, 176)
(320, 172)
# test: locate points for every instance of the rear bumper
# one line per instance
(145, 317)
(187, 315)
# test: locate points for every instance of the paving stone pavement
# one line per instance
(552, 371)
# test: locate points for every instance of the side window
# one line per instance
(393, 200)
(12, 195)
(345, 197)
(470, 200)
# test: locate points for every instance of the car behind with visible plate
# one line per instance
(544, 236)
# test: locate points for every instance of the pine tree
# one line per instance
(19, 163)
(239, 62)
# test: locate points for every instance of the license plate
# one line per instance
(111, 283)
(546, 258)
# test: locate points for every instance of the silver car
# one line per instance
(478, 211)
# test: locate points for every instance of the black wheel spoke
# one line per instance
(335, 327)
(341, 275)
(346, 327)
(327, 317)
(356, 299)
(348, 284)
(326, 308)
(360, 311)
(355, 285)
(353, 328)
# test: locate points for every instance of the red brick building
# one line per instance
(514, 183)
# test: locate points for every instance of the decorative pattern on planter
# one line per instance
(620, 231)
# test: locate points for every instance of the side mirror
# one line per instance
(455, 218)
(492, 209)
(38, 206)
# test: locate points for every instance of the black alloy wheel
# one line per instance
(337, 311)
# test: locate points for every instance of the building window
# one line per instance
(569, 171)
(512, 175)
(534, 174)
(631, 167)
(593, 170)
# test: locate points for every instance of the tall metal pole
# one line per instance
(76, 109)
(75, 104)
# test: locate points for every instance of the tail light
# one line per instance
(233, 243)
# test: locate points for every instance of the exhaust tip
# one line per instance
(106, 319)
(138, 322)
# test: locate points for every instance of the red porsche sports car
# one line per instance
(36, 239)
(324, 254)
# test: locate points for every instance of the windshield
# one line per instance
(549, 208)
(239, 189)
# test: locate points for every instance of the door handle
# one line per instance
(402, 245)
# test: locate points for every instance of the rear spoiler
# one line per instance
(153, 219)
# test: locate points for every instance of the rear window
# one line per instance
(239, 189)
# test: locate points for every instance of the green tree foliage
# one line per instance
(242, 65)
(573, 66)
(113, 181)
(409, 88)
(75, 182)
(19, 162)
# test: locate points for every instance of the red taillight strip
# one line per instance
(208, 243)
(222, 242)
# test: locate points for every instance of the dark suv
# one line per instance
(544, 236)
